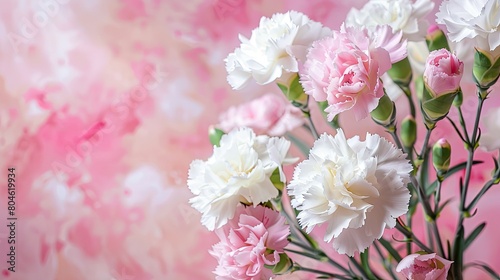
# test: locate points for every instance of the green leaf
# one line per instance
(365, 263)
(444, 205)
(473, 235)
(458, 249)
(388, 246)
(487, 269)
(432, 187)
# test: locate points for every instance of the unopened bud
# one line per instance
(284, 266)
(459, 99)
(408, 131)
(215, 134)
(385, 113)
(436, 39)
(294, 91)
(401, 73)
(276, 179)
(442, 75)
(441, 154)
(486, 69)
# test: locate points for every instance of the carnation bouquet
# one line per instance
(367, 206)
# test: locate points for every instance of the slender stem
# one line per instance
(462, 122)
(409, 223)
(321, 256)
(311, 126)
(435, 230)
(470, 159)
(320, 272)
(305, 254)
(410, 234)
(471, 145)
(430, 237)
(396, 138)
(437, 196)
(359, 268)
(495, 180)
(386, 262)
(426, 142)
(407, 92)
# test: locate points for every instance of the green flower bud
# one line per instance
(284, 266)
(441, 154)
(408, 131)
(486, 69)
(436, 39)
(385, 113)
(276, 179)
(215, 134)
(335, 122)
(401, 73)
(294, 91)
(435, 108)
(442, 75)
(459, 99)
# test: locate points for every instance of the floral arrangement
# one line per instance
(352, 190)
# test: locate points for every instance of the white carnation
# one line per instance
(238, 171)
(472, 19)
(405, 15)
(356, 188)
(491, 125)
(274, 49)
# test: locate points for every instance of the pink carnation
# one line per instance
(424, 267)
(345, 69)
(252, 239)
(443, 72)
(270, 114)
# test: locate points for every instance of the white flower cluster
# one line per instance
(405, 15)
(274, 49)
(239, 171)
(472, 19)
(356, 188)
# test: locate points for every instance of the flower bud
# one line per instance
(334, 123)
(284, 266)
(385, 113)
(486, 69)
(436, 39)
(459, 99)
(401, 73)
(276, 179)
(408, 131)
(441, 154)
(294, 91)
(215, 134)
(442, 75)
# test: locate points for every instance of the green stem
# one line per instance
(471, 146)
(321, 256)
(385, 261)
(462, 123)
(407, 92)
(307, 112)
(437, 235)
(412, 236)
(320, 272)
(359, 268)
(424, 146)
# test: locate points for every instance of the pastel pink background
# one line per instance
(103, 105)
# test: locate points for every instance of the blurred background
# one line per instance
(104, 104)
